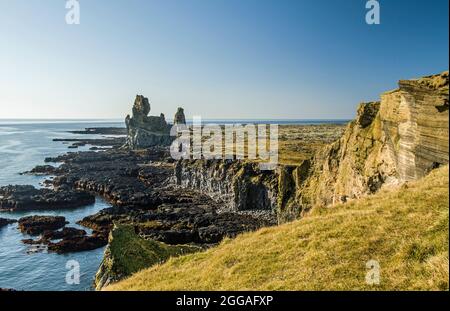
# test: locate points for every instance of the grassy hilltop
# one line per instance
(404, 229)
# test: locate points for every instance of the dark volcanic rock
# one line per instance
(65, 233)
(103, 220)
(78, 244)
(29, 198)
(123, 178)
(38, 224)
(5, 222)
(70, 240)
(140, 184)
(102, 142)
(42, 170)
(102, 130)
(190, 223)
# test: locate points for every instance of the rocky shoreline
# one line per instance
(141, 186)
(165, 201)
(198, 203)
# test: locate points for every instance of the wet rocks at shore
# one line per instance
(96, 142)
(26, 197)
(102, 131)
(49, 235)
(65, 233)
(42, 170)
(141, 186)
(123, 178)
(35, 225)
(78, 243)
(69, 240)
(4, 222)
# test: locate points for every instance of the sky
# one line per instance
(219, 59)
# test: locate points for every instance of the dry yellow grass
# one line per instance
(405, 230)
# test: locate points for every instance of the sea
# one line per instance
(25, 144)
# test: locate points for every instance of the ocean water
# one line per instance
(23, 145)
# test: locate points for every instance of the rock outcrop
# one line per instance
(145, 131)
(179, 117)
(127, 253)
(240, 186)
(78, 243)
(26, 197)
(4, 222)
(34, 225)
(399, 139)
(62, 241)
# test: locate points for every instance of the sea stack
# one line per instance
(145, 131)
(179, 117)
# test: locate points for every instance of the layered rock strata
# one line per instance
(399, 139)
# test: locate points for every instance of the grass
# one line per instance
(296, 142)
(405, 230)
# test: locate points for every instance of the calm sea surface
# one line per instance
(25, 144)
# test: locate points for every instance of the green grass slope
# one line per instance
(405, 230)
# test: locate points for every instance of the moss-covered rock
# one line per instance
(127, 253)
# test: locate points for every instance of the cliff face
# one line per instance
(239, 185)
(399, 139)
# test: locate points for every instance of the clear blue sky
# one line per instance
(216, 58)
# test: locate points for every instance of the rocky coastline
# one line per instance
(142, 187)
(198, 203)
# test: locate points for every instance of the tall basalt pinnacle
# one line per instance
(179, 117)
(399, 139)
(146, 131)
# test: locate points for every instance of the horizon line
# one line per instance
(120, 119)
